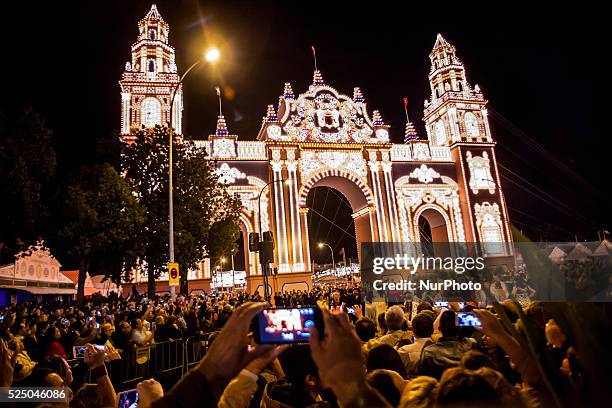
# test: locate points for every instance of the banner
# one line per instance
(173, 274)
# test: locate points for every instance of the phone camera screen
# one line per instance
(286, 325)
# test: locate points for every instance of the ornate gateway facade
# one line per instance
(322, 137)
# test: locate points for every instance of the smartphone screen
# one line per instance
(127, 399)
(79, 351)
(283, 326)
(465, 319)
(440, 305)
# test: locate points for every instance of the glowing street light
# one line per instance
(212, 55)
(321, 245)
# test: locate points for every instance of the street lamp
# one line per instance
(212, 55)
(321, 245)
(264, 267)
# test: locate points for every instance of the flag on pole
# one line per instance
(405, 102)
(218, 90)
(314, 55)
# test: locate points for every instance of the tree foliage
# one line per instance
(205, 214)
(102, 220)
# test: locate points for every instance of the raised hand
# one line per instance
(229, 354)
(149, 391)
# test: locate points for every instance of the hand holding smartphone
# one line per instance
(286, 325)
(127, 399)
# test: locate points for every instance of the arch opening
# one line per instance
(433, 233)
(339, 217)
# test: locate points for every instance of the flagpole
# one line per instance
(314, 55)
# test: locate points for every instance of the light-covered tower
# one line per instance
(150, 78)
(455, 111)
(456, 116)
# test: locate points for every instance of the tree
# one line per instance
(27, 176)
(102, 220)
(205, 214)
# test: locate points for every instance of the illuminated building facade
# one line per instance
(321, 137)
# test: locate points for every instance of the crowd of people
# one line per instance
(413, 354)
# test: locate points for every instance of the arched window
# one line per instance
(460, 86)
(151, 34)
(151, 66)
(151, 112)
(471, 126)
(440, 132)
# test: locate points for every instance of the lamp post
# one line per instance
(264, 268)
(321, 245)
(212, 55)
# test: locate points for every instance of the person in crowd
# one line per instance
(366, 329)
(394, 321)
(422, 329)
(52, 344)
(447, 351)
(140, 336)
(385, 357)
(336, 305)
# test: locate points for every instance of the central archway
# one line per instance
(358, 195)
(433, 231)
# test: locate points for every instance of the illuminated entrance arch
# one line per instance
(359, 196)
(325, 138)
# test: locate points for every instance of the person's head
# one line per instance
(473, 360)
(448, 324)
(137, 324)
(125, 327)
(382, 324)
(420, 392)
(459, 388)
(366, 329)
(300, 369)
(386, 357)
(107, 329)
(388, 383)
(53, 333)
(336, 296)
(422, 326)
(394, 317)
(424, 306)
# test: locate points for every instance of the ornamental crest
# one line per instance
(480, 173)
(424, 174)
(228, 175)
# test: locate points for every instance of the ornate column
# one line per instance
(279, 211)
(380, 211)
(296, 233)
(390, 193)
(125, 113)
(305, 243)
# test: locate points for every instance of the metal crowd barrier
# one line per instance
(162, 360)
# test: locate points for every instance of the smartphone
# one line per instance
(350, 310)
(286, 325)
(127, 399)
(97, 326)
(79, 351)
(467, 319)
(440, 305)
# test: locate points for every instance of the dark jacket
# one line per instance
(283, 394)
(443, 354)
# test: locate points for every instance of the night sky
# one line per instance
(540, 68)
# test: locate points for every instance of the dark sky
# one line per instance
(540, 67)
